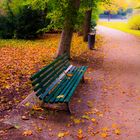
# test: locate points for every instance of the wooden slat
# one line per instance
(46, 67)
(42, 89)
(49, 71)
(55, 83)
(59, 87)
(64, 87)
(67, 99)
(59, 69)
(70, 85)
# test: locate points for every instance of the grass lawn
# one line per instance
(123, 26)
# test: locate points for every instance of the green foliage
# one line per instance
(134, 22)
(23, 20)
(6, 27)
(28, 22)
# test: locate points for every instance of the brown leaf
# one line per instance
(27, 133)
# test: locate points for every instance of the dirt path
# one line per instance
(107, 106)
(120, 92)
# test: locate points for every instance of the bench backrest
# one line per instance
(44, 77)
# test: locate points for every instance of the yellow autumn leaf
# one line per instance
(100, 114)
(105, 129)
(76, 121)
(61, 134)
(104, 135)
(117, 131)
(114, 125)
(36, 108)
(7, 86)
(93, 120)
(60, 96)
(27, 104)
(69, 74)
(86, 117)
(27, 133)
(80, 134)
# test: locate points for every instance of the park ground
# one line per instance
(106, 106)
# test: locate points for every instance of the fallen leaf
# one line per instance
(39, 129)
(27, 133)
(93, 120)
(114, 125)
(79, 101)
(60, 96)
(17, 126)
(80, 134)
(104, 135)
(105, 129)
(69, 74)
(27, 104)
(89, 104)
(76, 121)
(86, 117)
(62, 134)
(24, 118)
(117, 131)
(36, 108)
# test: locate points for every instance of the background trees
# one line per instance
(26, 19)
(22, 19)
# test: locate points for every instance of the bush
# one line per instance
(28, 22)
(6, 27)
(25, 23)
(134, 22)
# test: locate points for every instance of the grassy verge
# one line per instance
(123, 26)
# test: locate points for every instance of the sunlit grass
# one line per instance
(123, 26)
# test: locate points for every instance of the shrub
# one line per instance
(134, 22)
(6, 27)
(28, 22)
(22, 22)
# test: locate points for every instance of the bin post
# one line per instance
(91, 40)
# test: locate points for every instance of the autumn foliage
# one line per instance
(19, 59)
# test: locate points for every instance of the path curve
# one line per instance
(120, 91)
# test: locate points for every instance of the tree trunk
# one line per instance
(65, 41)
(87, 24)
(69, 21)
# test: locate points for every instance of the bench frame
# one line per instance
(37, 83)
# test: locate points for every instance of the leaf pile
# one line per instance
(19, 59)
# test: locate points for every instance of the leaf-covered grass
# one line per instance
(123, 26)
(19, 59)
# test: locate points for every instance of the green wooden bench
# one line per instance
(57, 82)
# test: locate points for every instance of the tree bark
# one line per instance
(65, 41)
(67, 33)
(87, 24)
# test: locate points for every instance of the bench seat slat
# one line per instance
(67, 99)
(62, 90)
(48, 66)
(49, 71)
(55, 83)
(58, 89)
(59, 69)
(70, 85)
(42, 90)
(73, 84)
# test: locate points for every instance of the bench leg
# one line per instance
(68, 108)
(83, 79)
